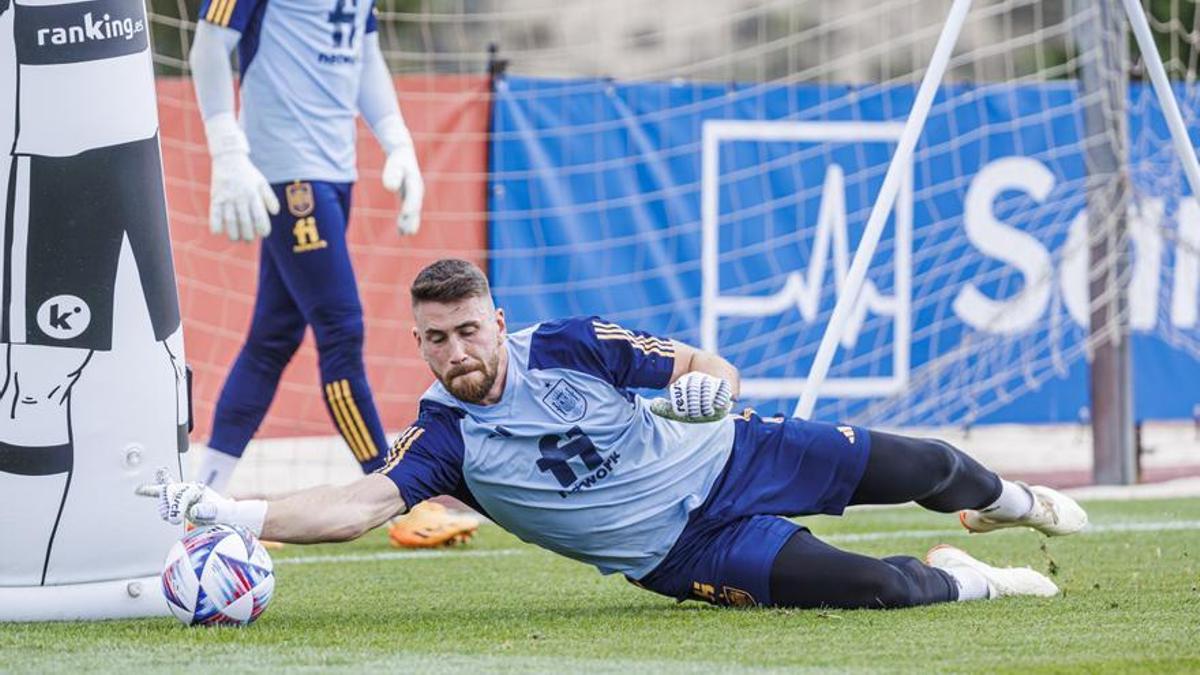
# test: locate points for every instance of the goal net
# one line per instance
(706, 172)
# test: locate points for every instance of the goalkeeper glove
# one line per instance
(401, 174)
(201, 505)
(696, 397)
(241, 197)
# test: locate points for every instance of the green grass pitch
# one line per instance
(1131, 602)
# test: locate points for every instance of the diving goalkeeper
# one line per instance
(539, 431)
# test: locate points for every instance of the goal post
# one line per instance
(1103, 81)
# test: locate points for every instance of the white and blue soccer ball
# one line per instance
(218, 575)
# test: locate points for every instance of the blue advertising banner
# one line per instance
(726, 216)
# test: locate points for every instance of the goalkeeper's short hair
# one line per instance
(449, 280)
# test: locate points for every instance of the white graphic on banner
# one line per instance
(802, 290)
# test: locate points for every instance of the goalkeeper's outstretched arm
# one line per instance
(325, 513)
(333, 513)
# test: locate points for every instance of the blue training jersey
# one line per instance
(569, 458)
(301, 65)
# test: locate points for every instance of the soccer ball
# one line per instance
(219, 574)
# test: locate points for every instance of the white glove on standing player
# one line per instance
(401, 174)
(201, 505)
(697, 396)
(241, 197)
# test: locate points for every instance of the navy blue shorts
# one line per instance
(787, 467)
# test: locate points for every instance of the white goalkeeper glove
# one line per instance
(401, 174)
(201, 505)
(696, 397)
(241, 197)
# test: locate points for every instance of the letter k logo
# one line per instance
(58, 320)
(64, 316)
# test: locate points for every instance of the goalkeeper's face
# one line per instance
(462, 342)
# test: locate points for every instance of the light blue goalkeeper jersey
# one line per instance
(570, 459)
(301, 65)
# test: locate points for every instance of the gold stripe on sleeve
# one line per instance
(642, 346)
(214, 11)
(646, 343)
(228, 13)
(401, 447)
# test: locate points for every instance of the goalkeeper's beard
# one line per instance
(471, 383)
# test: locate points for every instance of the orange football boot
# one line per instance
(431, 525)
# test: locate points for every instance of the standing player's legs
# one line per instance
(308, 244)
(276, 330)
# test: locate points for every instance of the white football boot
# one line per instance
(1053, 514)
(1001, 581)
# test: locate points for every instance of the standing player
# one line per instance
(308, 68)
(539, 430)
